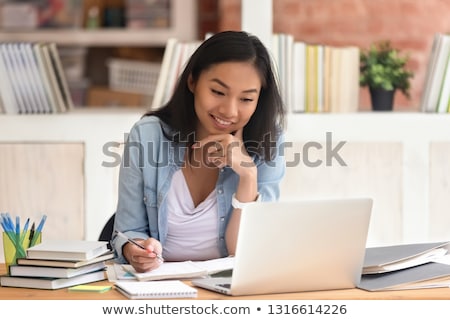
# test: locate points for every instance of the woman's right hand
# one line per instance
(143, 260)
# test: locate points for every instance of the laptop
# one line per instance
(294, 246)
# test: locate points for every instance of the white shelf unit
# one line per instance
(398, 159)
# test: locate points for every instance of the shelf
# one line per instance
(94, 38)
(184, 28)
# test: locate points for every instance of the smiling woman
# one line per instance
(216, 140)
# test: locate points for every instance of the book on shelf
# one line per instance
(51, 283)
(6, 90)
(64, 263)
(16, 270)
(176, 55)
(435, 78)
(165, 289)
(444, 94)
(183, 269)
(61, 81)
(64, 249)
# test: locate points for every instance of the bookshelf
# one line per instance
(404, 169)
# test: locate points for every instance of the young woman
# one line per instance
(189, 167)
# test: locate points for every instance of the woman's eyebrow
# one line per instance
(218, 81)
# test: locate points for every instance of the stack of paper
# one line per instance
(407, 266)
(183, 270)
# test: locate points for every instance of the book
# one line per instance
(158, 96)
(444, 96)
(36, 78)
(10, 105)
(397, 257)
(16, 270)
(183, 269)
(65, 263)
(51, 283)
(429, 275)
(435, 72)
(46, 75)
(12, 76)
(155, 290)
(72, 250)
(60, 77)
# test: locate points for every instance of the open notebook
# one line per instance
(297, 246)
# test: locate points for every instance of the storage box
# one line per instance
(19, 15)
(133, 76)
(105, 97)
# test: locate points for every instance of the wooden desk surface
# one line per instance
(8, 293)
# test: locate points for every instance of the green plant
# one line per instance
(382, 66)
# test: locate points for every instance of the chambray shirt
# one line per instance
(148, 164)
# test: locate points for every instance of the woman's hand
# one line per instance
(143, 260)
(226, 150)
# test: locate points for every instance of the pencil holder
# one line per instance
(13, 251)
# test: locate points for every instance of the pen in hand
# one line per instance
(120, 234)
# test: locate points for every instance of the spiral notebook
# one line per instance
(165, 289)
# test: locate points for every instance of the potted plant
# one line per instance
(383, 70)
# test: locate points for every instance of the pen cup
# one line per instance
(9, 248)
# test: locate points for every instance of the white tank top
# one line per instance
(192, 231)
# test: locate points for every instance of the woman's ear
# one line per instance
(191, 83)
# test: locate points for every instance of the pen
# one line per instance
(30, 238)
(25, 229)
(38, 230)
(120, 234)
(41, 223)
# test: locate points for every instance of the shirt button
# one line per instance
(221, 238)
(222, 169)
(145, 199)
(222, 219)
(220, 191)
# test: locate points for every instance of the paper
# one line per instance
(398, 257)
(183, 270)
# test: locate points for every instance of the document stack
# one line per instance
(406, 266)
(59, 264)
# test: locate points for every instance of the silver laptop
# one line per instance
(293, 246)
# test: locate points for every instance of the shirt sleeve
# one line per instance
(131, 216)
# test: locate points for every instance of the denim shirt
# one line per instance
(148, 164)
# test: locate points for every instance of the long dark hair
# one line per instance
(269, 117)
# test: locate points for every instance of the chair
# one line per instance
(107, 231)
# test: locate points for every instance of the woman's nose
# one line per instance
(229, 108)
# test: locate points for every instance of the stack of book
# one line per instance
(316, 77)
(59, 264)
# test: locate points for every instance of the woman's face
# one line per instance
(225, 97)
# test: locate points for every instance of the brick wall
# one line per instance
(409, 24)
